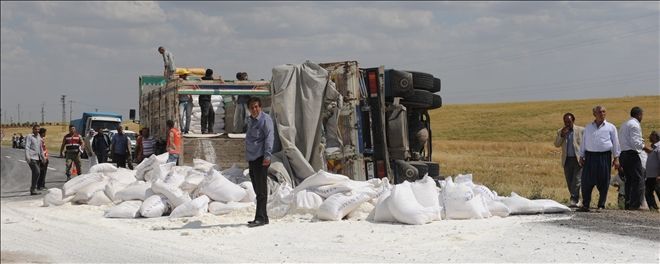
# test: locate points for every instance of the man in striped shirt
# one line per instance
(145, 145)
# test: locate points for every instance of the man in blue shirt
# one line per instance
(259, 147)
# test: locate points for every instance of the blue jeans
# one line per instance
(173, 158)
(185, 111)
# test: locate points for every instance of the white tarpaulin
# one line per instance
(298, 93)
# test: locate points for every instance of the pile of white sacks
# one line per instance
(196, 118)
(157, 188)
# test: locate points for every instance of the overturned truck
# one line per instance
(360, 122)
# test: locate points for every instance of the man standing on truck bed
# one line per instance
(173, 142)
(258, 149)
(73, 143)
(208, 115)
(168, 61)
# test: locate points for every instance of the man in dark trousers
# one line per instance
(259, 146)
(101, 146)
(120, 148)
(73, 143)
(208, 115)
(34, 156)
(41, 184)
(632, 144)
(600, 143)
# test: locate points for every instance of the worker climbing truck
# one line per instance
(360, 122)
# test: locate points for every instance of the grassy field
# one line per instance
(509, 146)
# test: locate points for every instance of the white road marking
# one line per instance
(8, 157)
(51, 168)
(22, 161)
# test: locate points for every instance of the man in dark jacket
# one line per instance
(101, 146)
(208, 114)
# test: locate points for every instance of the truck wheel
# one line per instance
(421, 167)
(405, 172)
(420, 99)
(434, 169)
(436, 85)
(422, 80)
(437, 102)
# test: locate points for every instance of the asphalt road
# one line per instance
(15, 174)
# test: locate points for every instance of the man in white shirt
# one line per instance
(168, 61)
(34, 156)
(632, 144)
(599, 143)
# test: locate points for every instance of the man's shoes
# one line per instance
(250, 222)
(573, 204)
(42, 189)
(34, 192)
(68, 177)
(257, 223)
(583, 209)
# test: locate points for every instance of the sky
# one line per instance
(94, 52)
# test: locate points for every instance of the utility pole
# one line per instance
(63, 112)
(19, 113)
(42, 113)
(70, 109)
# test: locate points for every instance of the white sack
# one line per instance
(427, 193)
(361, 213)
(551, 206)
(280, 201)
(191, 208)
(145, 167)
(521, 205)
(162, 158)
(175, 195)
(174, 179)
(99, 198)
(137, 191)
(54, 198)
(202, 165)
(192, 181)
(220, 208)
(485, 192)
(250, 196)
(320, 178)
(339, 205)
(102, 168)
(154, 206)
(498, 208)
(78, 182)
(460, 202)
(307, 202)
(86, 193)
(218, 188)
(122, 175)
(382, 211)
(127, 209)
(404, 206)
(465, 179)
(112, 188)
(159, 171)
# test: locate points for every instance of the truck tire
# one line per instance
(436, 85)
(437, 102)
(422, 168)
(422, 80)
(420, 99)
(434, 169)
(405, 172)
(398, 84)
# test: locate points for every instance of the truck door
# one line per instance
(374, 79)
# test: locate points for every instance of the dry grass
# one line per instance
(54, 135)
(509, 147)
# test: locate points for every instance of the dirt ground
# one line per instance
(640, 224)
(21, 257)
